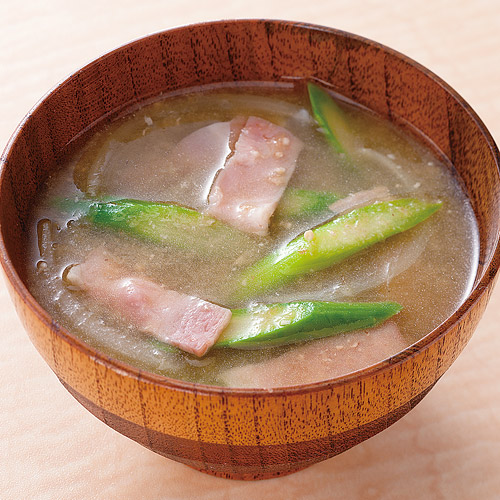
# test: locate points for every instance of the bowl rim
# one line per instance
(486, 281)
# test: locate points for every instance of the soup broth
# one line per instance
(150, 154)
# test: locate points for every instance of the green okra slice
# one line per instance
(297, 202)
(332, 242)
(271, 325)
(331, 119)
(163, 223)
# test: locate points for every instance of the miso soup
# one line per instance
(174, 150)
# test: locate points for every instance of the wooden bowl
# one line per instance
(243, 433)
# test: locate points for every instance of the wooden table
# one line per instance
(51, 448)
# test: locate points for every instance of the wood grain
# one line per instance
(207, 427)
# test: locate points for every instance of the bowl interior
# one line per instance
(263, 51)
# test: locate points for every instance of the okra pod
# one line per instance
(331, 119)
(270, 325)
(332, 242)
(164, 223)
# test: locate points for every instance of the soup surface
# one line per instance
(153, 153)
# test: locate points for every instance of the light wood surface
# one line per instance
(447, 447)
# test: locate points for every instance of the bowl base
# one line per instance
(218, 465)
(247, 476)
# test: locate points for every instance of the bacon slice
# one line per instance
(320, 359)
(247, 190)
(189, 323)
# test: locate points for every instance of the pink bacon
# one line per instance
(186, 322)
(247, 190)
